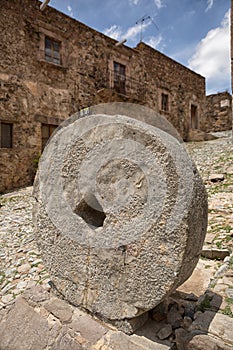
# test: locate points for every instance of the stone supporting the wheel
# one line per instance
(120, 214)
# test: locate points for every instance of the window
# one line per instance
(46, 132)
(164, 102)
(52, 46)
(52, 50)
(6, 135)
(119, 77)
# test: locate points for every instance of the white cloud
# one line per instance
(190, 13)
(212, 56)
(134, 2)
(131, 33)
(154, 41)
(70, 11)
(159, 3)
(114, 32)
(209, 5)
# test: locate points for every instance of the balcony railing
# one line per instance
(126, 85)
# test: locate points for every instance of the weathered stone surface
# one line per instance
(89, 329)
(130, 325)
(182, 338)
(214, 253)
(22, 328)
(121, 214)
(43, 330)
(147, 344)
(196, 340)
(135, 111)
(218, 115)
(17, 242)
(35, 295)
(217, 325)
(174, 316)
(7, 298)
(64, 342)
(60, 309)
(216, 177)
(187, 322)
(24, 268)
(165, 332)
(206, 342)
(120, 341)
(198, 135)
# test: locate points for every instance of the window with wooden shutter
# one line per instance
(52, 50)
(119, 77)
(6, 135)
(164, 102)
(46, 132)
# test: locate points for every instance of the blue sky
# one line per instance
(195, 33)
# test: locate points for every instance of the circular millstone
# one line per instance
(120, 216)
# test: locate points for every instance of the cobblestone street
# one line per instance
(22, 267)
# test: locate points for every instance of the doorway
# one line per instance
(194, 117)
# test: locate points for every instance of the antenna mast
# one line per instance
(142, 20)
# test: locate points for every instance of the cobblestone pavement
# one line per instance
(214, 160)
(21, 266)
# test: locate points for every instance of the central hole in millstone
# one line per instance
(90, 210)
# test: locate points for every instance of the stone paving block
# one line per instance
(59, 309)
(216, 324)
(213, 253)
(206, 342)
(22, 328)
(121, 341)
(88, 328)
(216, 177)
(65, 342)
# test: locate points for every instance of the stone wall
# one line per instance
(218, 115)
(231, 46)
(183, 87)
(34, 91)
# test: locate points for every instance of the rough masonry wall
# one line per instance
(231, 45)
(34, 91)
(183, 86)
(218, 112)
(17, 163)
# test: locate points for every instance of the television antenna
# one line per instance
(143, 20)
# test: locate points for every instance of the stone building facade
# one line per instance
(52, 66)
(218, 116)
(231, 25)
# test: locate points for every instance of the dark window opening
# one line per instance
(194, 117)
(119, 77)
(52, 50)
(6, 135)
(164, 102)
(91, 212)
(46, 132)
